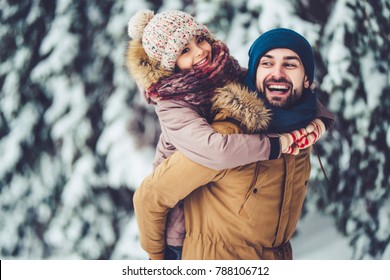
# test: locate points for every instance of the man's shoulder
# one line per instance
(226, 126)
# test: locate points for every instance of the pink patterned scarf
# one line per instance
(197, 86)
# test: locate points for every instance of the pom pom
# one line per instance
(138, 22)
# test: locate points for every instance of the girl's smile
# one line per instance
(196, 54)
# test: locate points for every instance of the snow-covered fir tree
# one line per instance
(354, 46)
(69, 115)
(76, 138)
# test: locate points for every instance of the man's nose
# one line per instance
(278, 72)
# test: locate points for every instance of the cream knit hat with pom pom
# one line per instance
(164, 35)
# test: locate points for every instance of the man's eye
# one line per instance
(290, 65)
(266, 63)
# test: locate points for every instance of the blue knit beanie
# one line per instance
(280, 38)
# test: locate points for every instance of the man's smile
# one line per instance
(278, 88)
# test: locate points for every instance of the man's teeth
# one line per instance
(278, 87)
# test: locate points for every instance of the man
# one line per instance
(248, 212)
(275, 60)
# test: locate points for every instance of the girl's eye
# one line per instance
(200, 40)
(185, 50)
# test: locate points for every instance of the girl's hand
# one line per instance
(313, 132)
(287, 143)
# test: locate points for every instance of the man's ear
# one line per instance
(306, 83)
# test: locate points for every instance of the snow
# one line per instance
(10, 100)
(239, 49)
(338, 57)
(318, 239)
(384, 227)
(60, 54)
(206, 12)
(120, 147)
(372, 78)
(33, 13)
(10, 146)
(344, 159)
(76, 189)
(171, 5)
(128, 246)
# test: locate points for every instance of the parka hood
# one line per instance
(235, 101)
(144, 70)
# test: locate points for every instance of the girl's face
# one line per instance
(196, 54)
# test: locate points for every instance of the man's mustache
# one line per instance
(280, 80)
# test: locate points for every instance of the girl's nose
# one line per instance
(198, 51)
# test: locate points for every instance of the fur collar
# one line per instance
(144, 70)
(235, 101)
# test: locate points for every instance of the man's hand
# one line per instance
(313, 132)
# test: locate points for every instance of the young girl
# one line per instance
(179, 66)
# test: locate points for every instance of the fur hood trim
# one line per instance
(237, 102)
(144, 70)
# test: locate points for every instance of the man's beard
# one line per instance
(279, 101)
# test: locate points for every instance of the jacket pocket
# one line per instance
(252, 198)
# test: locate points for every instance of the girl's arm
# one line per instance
(195, 138)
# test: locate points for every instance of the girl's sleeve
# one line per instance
(192, 135)
(158, 194)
